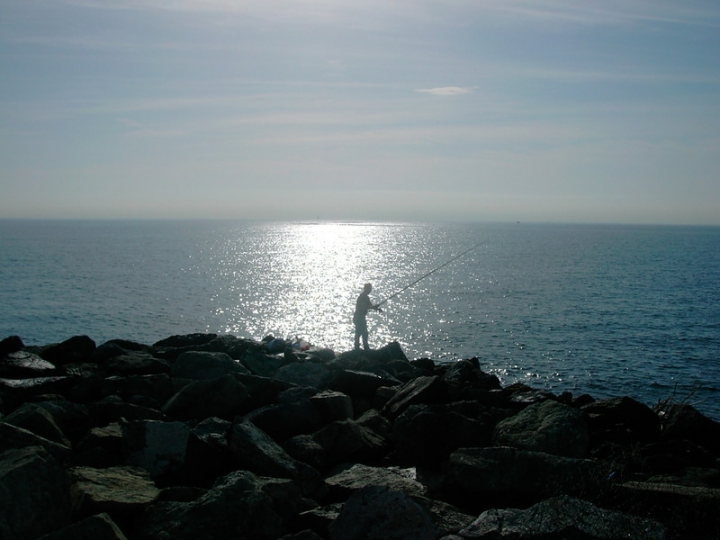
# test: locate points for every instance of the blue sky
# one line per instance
(529, 110)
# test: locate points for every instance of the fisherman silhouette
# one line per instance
(362, 306)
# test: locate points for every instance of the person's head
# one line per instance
(367, 288)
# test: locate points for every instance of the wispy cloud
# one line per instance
(446, 90)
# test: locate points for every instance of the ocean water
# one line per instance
(607, 310)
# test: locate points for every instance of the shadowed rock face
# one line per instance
(215, 437)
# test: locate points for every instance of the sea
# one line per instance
(605, 310)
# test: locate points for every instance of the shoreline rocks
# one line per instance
(222, 438)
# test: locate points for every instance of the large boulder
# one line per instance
(378, 513)
(348, 441)
(239, 505)
(347, 479)
(205, 366)
(40, 421)
(549, 427)
(427, 390)
(16, 437)
(157, 447)
(682, 421)
(122, 492)
(257, 452)
(34, 494)
(517, 477)
(25, 365)
(99, 527)
(562, 517)
(425, 435)
(136, 363)
(313, 374)
(293, 415)
(224, 397)
(76, 350)
(621, 420)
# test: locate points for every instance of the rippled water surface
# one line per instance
(607, 310)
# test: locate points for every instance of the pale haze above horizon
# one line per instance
(410, 110)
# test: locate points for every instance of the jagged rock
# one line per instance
(157, 447)
(34, 418)
(76, 350)
(240, 505)
(425, 435)
(311, 374)
(208, 454)
(99, 527)
(149, 390)
(318, 519)
(360, 384)
(464, 374)
(113, 409)
(10, 345)
(205, 366)
(549, 427)
(377, 513)
(518, 476)
(349, 478)
(257, 452)
(136, 363)
(122, 492)
(347, 440)
(183, 341)
(333, 405)
(559, 518)
(623, 420)
(294, 415)
(224, 397)
(73, 419)
(302, 535)
(16, 437)
(260, 364)
(24, 365)
(34, 494)
(686, 422)
(427, 390)
(447, 519)
(17, 391)
(100, 448)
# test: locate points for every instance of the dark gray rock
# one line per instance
(333, 405)
(377, 513)
(622, 420)
(686, 422)
(157, 447)
(360, 384)
(99, 527)
(122, 492)
(562, 518)
(263, 365)
(516, 477)
(349, 478)
(76, 350)
(136, 363)
(426, 390)
(16, 437)
(25, 365)
(285, 420)
(549, 427)
(40, 421)
(224, 397)
(240, 505)
(34, 494)
(257, 452)
(346, 440)
(204, 366)
(313, 374)
(425, 435)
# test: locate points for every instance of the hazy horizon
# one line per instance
(538, 111)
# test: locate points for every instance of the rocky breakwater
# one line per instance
(214, 437)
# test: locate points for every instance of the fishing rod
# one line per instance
(430, 273)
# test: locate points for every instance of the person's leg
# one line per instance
(365, 339)
(358, 333)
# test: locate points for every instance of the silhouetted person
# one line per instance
(362, 306)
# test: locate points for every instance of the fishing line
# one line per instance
(430, 273)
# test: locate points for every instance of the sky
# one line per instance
(393, 110)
